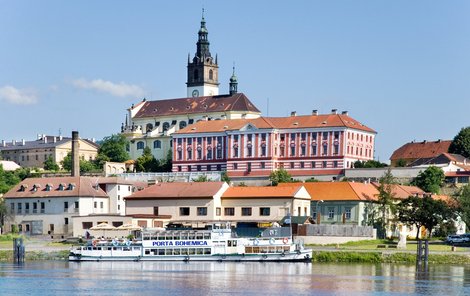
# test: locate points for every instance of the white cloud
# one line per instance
(116, 89)
(17, 96)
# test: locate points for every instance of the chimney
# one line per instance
(13, 142)
(314, 112)
(55, 139)
(4, 143)
(75, 157)
(60, 138)
(293, 113)
(39, 136)
(45, 139)
(344, 112)
(22, 142)
(334, 111)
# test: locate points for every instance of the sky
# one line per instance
(400, 67)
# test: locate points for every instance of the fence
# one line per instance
(335, 230)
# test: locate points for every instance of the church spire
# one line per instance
(203, 41)
(233, 82)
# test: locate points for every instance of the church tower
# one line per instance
(203, 71)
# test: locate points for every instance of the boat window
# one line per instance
(168, 237)
(184, 251)
(255, 249)
(234, 243)
(184, 236)
(272, 250)
(176, 236)
(286, 248)
(161, 251)
(89, 248)
(109, 248)
(126, 249)
(136, 248)
(249, 250)
(207, 251)
(229, 243)
(147, 252)
(191, 251)
(191, 236)
(199, 235)
(207, 235)
(176, 252)
(264, 249)
(168, 252)
(199, 251)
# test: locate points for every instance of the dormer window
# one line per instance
(23, 187)
(61, 186)
(36, 187)
(71, 186)
(48, 187)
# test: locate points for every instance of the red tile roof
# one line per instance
(221, 103)
(261, 192)
(415, 150)
(339, 191)
(291, 122)
(83, 186)
(403, 191)
(180, 190)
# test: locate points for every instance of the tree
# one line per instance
(461, 143)
(401, 163)
(463, 198)
(280, 176)
(85, 165)
(114, 147)
(424, 211)
(385, 201)
(224, 177)
(369, 164)
(146, 162)
(50, 164)
(430, 180)
(202, 178)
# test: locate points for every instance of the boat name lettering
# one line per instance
(179, 243)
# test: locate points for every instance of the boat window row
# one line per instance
(178, 251)
(267, 249)
(109, 248)
(179, 236)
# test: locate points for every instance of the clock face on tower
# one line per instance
(195, 93)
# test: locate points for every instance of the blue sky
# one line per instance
(400, 67)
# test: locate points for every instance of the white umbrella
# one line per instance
(129, 226)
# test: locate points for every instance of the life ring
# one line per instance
(256, 242)
(115, 243)
(285, 240)
(272, 240)
(128, 243)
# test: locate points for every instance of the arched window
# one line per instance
(211, 74)
(157, 144)
(183, 124)
(196, 74)
(149, 127)
(166, 126)
(140, 145)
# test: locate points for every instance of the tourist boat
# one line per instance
(217, 244)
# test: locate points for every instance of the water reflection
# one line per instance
(214, 278)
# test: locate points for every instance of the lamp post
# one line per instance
(316, 211)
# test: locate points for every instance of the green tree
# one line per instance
(311, 180)
(401, 163)
(385, 201)
(463, 198)
(461, 143)
(225, 178)
(430, 180)
(85, 165)
(369, 164)
(424, 211)
(166, 165)
(114, 147)
(50, 164)
(146, 162)
(202, 178)
(280, 176)
(67, 162)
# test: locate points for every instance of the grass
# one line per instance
(36, 255)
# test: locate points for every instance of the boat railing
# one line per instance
(263, 232)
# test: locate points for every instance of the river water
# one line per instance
(215, 278)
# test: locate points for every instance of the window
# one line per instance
(66, 221)
(264, 211)
(229, 211)
(149, 127)
(325, 149)
(302, 165)
(12, 207)
(335, 149)
(209, 154)
(35, 207)
(155, 211)
(325, 136)
(157, 144)
(331, 213)
(95, 204)
(198, 167)
(43, 207)
(302, 150)
(211, 75)
(66, 206)
(19, 208)
(26, 208)
(76, 206)
(183, 124)
(262, 165)
(235, 166)
(246, 211)
(325, 164)
(140, 145)
(248, 167)
(101, 205)
(166, 126)
(217, 211)
(189, 168)
(314, 149)
(347, 213)
(292, 165)
(335, 164)
(184, 211)
(208, 168)
(202, 211)
(87, 225)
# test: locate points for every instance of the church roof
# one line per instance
(294, 122)
(206, 104)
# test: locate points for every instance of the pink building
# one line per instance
(303, 145)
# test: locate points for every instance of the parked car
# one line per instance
(456, 239)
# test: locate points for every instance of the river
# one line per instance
(215, 278)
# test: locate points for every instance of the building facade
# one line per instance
(34, 153)
(151, 123)
(303, 145)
